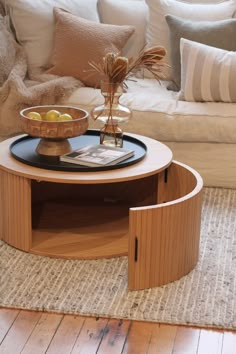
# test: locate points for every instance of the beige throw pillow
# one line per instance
(208, 74)
(78, 41)
(33, 23)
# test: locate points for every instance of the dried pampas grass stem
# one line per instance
(116, 69)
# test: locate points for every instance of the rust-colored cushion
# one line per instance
(78, 41)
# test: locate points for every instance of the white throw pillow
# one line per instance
(157, 29)
(208, 74)
(126, 12)
(34, 24)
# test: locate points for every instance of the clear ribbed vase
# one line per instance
(111, 113)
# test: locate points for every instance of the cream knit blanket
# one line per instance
(16, 92)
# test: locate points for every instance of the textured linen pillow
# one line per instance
(34, 24)
(220, 34)
(126, 12)
(78, 41)
(207, 73)
(157, 29)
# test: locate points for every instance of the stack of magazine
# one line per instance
(97, 155)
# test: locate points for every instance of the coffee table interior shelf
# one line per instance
(149, 211)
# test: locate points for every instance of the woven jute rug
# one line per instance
(206, 297)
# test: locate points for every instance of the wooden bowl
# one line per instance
(54, 134)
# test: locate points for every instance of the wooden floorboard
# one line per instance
(30, 332)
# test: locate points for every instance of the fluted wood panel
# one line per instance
(164, 239)
(176, 182)
(16, 210)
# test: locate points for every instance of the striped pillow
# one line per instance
(208, 74)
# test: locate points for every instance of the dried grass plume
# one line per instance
(116, 69)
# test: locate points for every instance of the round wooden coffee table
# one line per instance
(149, 210)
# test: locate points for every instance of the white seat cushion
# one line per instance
(159, 114)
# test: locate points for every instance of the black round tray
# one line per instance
(24, 150)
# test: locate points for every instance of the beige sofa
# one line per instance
(200, 134)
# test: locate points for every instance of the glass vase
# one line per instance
(111, 113)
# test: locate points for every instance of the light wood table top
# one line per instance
(157, 158)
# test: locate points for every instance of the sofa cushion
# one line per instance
(207, 73)
(126, 12)
(34, 24)
(78, 41)
(157, 29)
(159, 114)
(219, 34)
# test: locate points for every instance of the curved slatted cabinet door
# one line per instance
(164, 238)
(16, 210)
